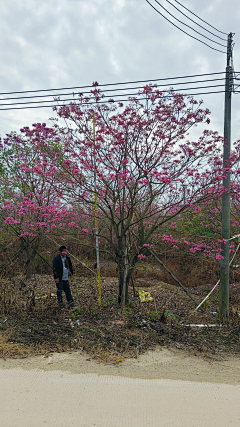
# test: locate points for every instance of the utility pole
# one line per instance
(224, 266)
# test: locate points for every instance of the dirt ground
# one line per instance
(32, 323)
(161, 363)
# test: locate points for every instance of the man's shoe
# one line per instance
(71, 304)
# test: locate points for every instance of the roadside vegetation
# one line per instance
(123, 184)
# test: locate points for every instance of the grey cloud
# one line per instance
(54, 43)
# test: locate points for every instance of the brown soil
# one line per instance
(32, 324)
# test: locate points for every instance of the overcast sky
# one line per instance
(64, 43)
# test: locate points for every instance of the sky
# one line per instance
(65, 43)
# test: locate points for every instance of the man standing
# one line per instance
(62, 269)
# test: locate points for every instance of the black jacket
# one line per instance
(58, 267)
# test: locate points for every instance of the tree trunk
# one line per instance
(124, 287)
(121, 280)
(127, 279)
(30, 248)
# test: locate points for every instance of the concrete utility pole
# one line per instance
(224, 267)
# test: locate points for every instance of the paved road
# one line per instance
(34, 398)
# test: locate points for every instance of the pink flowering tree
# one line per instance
(200, 226)
(144, 170)
(32, 207)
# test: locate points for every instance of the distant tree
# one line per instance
(31, 205)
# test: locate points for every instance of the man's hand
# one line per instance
(57, 280)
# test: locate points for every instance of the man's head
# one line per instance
(63, 251)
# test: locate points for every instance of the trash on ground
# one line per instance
(145, 296)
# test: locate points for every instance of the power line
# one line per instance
(109, 90)
(113, 84)
(192, 20)
(104, 102)
(220, 44)
(113, 96)
(205, 22)
(195, 38)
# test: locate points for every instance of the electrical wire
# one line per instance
(192, 20)
(104, 102)
(113, 84)
(220, 44)
(195, 38)
(113, 96)
(205, 22)
(108, 90)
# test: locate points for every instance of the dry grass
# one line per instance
(11, 349)
(31, 322)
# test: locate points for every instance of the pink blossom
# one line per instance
(85, 230)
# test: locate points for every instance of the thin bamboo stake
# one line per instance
(172, 275)
(96, 221)
(208, 295)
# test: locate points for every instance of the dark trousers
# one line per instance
(63, 285)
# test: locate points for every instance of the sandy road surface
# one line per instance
(161, 388)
